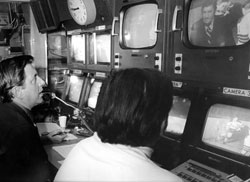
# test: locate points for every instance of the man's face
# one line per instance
(222, 7)
(32, 87)
(208, 14)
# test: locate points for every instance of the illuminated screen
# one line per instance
(57, 81)
(100, 47)
(139, 24)
(75, 88)
(94, 93)
(77, 48)
(178, 115)
(227, 127)
(217, 25)
(57, 46)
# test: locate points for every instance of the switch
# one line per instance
(158, 59)
(178, 63)
(117, 60)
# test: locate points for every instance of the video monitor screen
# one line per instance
(138, 26)
(77, 48)
(57, 80)
(57, 46)
(100, 49)
(228, 128)
(218, 23)
(75, 89)
(94, 93)
(178, 115)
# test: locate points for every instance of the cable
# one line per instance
(53, 95)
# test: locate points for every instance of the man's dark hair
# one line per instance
(207, 3)
(12, 74)
(132, 105)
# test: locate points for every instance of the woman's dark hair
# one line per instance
(132, 106)
(246, 4)
(12, 74)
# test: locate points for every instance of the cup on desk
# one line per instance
(62, 121)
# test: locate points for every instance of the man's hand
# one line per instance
(56, 136)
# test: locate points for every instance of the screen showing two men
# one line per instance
(211, 23)
(219, 23)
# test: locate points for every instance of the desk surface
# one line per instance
(58, 152)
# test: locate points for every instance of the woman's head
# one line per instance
(132, 106)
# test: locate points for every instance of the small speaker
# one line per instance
(45, 14)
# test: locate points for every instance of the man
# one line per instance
(22, 156)
(208, 31)
(243, 26)
(228, 14)
(131, 110)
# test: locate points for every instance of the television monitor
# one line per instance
(77, 48)
(197, 62)
(94, 93)
(100, 48)
(57, 45)
(228, 128)
(178, 116)
(213, 24)
(57, 80)
(140, 34)
(74, 89)
(138, 25)
(217, 133)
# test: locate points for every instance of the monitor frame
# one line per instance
(190, 93)
(77, 63)
(196, 149)
(186, 11)
(100, 67)
(187, 93)
(61, 50)
(203, 66)
(122, 19)
(96, 80)
(145, 57)
(95, 75)
(86, 65)
(80, 75)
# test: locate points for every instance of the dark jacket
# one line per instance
(199, 37)
(22, 156)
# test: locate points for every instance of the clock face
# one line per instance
(80, 11)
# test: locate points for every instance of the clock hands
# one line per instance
(74, 9)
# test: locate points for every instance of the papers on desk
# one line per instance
(49, 127)
(64, 150)
(70, 137)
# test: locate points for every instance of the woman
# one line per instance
(132, 108)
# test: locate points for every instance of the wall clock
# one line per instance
(83, 12)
